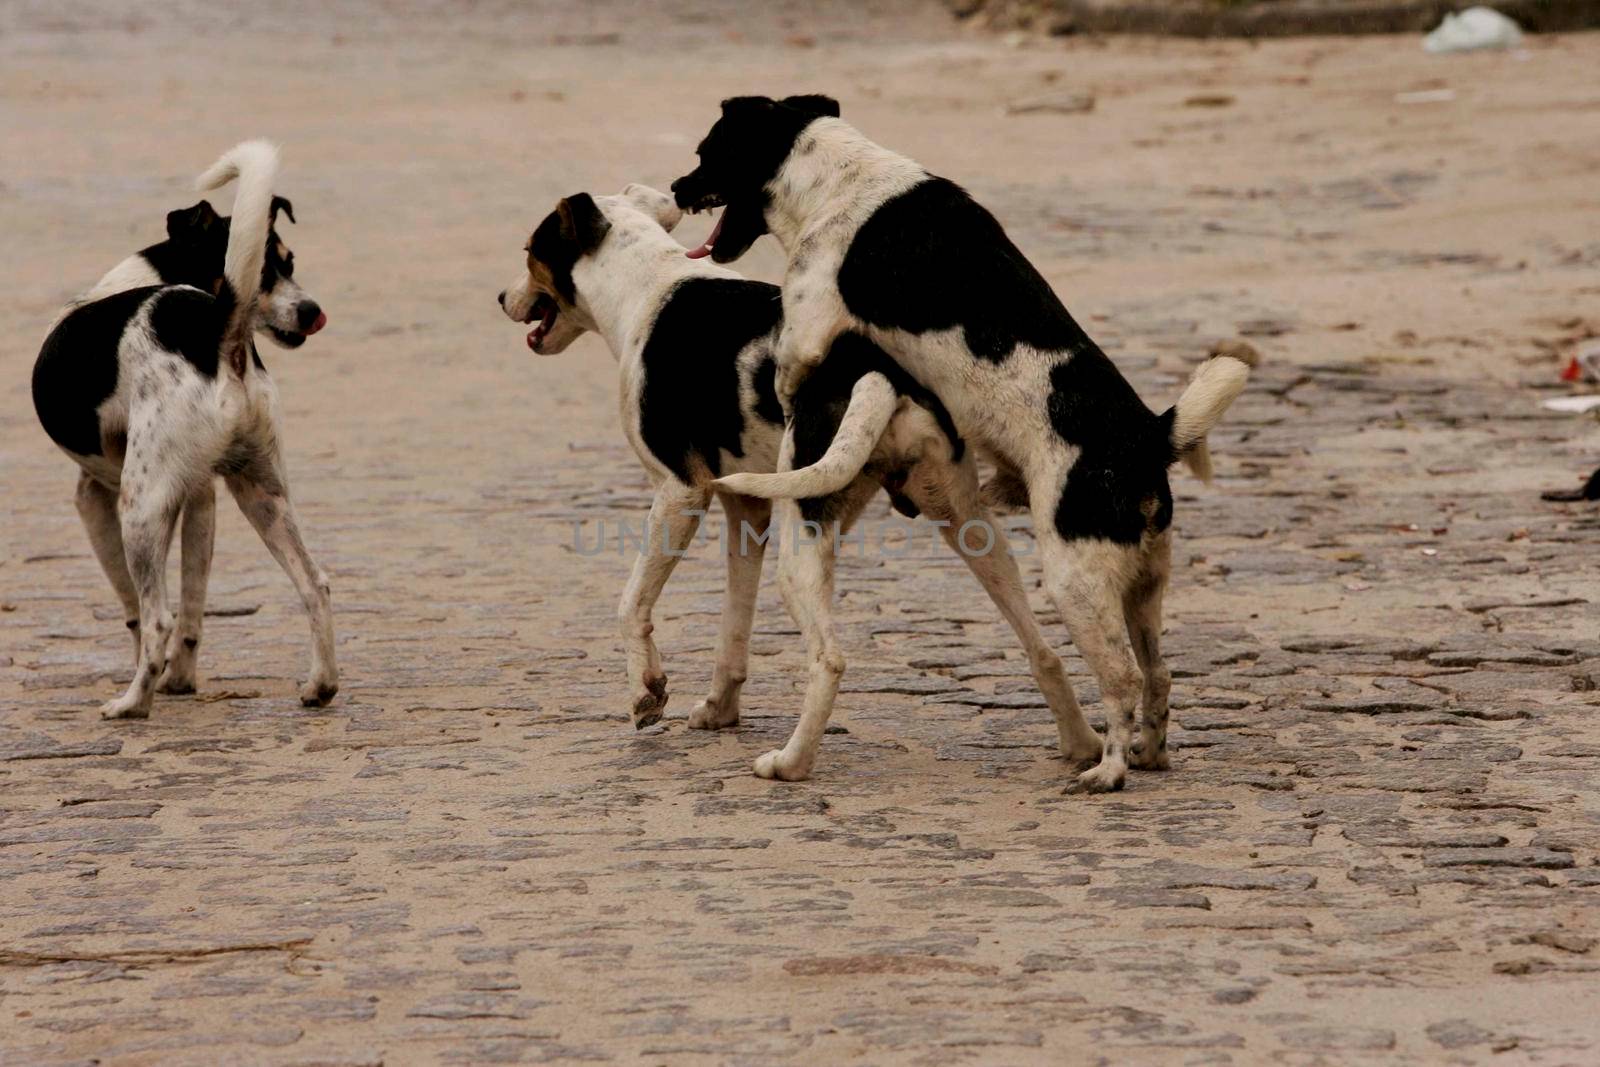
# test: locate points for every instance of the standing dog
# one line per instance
(151, 383)
(879, 246)
(695, 343)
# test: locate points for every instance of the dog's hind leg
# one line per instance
(950, 492)
(674, 518)
(1141, 606)
(198, 538)
(148, 516)
(745, 539)
(97, 507)
(262, 493)
(805, 578)
(1087, 580)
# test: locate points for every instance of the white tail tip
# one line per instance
(248, 155)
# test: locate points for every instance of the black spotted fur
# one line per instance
(689, 409)
(76, 370)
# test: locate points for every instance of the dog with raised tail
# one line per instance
(695, 346)
(876, 245)
(152, 384)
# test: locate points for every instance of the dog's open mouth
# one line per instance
(706, 204)
(543, 315)
(296, 338)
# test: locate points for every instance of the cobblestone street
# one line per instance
(1380, 840)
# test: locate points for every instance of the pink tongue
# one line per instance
(322, 320)
(536, 334)
(705, 250)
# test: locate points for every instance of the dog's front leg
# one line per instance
(1088, 582)
(745, 542)
(813, 316)
(674, 518)
(262, 493)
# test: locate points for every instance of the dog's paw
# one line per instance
(128, 706)
(175, 684)
(713, 715)
(1106, 778)
(1154, 758)
(790, 375)
(1086, 752)
(649, 706)
(317, 694)
(776, 765)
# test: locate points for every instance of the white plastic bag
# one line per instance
(1473, 29)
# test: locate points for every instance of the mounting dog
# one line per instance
(695, 343)
(152, 384)
(879, 246)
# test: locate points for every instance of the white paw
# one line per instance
(649, 706)
(177, 680)
(316, 693)
(790, 375)
(1151, 758)
(709, 716)
(774, 765)
(1083, 755)
(1105, 778)
(127, 706)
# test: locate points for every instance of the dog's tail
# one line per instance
(1216, 383)
(872, 405)
(255, 165)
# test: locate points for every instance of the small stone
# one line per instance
(1457, 1033)
(1541, 858)
(1565, 941)
(1340, 1039)
(1054, 104)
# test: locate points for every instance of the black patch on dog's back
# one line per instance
(932, 258)
(689, 402)
(190, 324)
(186, 264)
(1118, 488)
(824, 396)
(77, 369)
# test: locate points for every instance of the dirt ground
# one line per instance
(1380, 841)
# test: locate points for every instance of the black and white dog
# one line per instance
(877, 245)
(151, 383)
(695, 343)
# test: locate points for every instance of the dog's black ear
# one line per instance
(281, 203)
(191, 223)
(747, 106)
(582, 222)
(813, 104)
